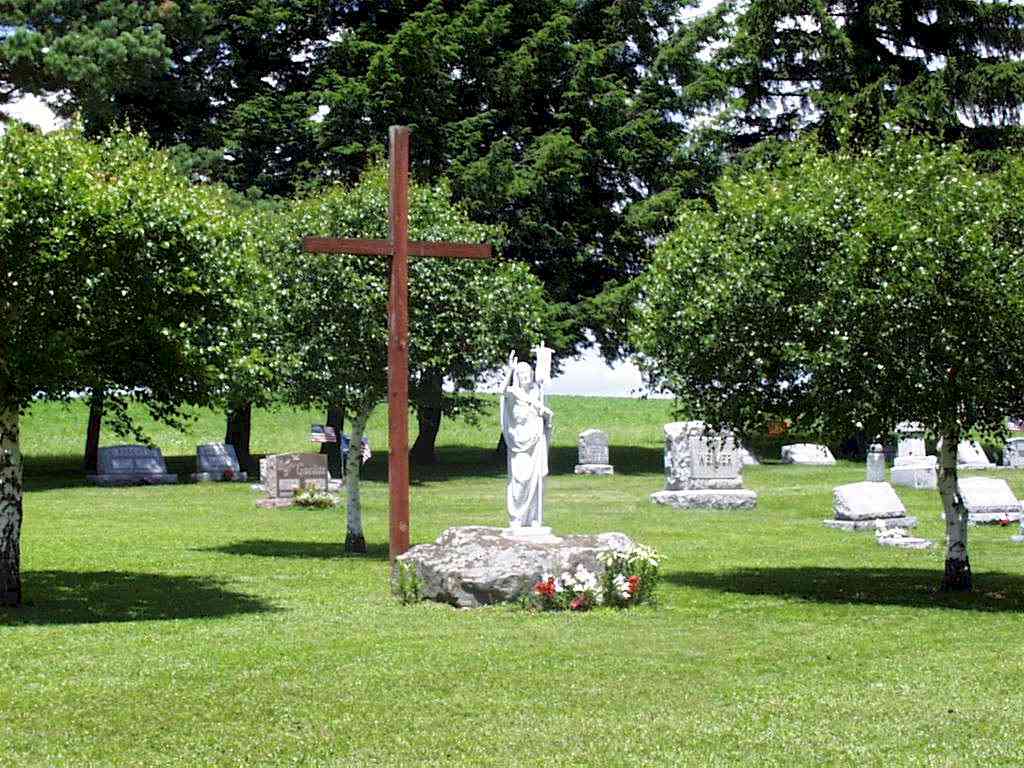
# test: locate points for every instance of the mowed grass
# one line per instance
(184, 626)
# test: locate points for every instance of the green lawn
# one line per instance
(184, 626)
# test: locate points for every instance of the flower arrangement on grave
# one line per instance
(229, 474)
(630, 578)
(314, 497)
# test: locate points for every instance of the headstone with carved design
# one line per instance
(218, 461)
(285, 473)
(702, 469)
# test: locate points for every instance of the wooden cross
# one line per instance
(399, 248)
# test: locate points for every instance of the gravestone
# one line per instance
(702, 469)
(287, 472)
(989, 501)
(807, 453)
(970, 455)
(593, 454)
(1013, 453)
(897, 537)
(131, 465)
(868, 506)
(218, 461)
(876, 464)
(913, 467)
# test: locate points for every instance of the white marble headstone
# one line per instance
(866, 501)
(807, 453)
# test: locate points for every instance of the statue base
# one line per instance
(535, 533)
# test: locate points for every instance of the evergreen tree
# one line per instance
(853, 69)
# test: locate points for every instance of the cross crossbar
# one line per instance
(361, 247)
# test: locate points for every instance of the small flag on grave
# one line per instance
(318, 433)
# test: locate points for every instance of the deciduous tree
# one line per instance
(846, 291)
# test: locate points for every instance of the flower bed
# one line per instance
(629, 578)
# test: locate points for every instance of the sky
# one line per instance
(585, 375)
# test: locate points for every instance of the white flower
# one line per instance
(621, 584)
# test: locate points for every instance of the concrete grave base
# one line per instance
(920, 477)
(906, 542)
(594, 469)
(210, 477)
(707, 499)
(125, 478)
(474, 565)
(274, 503)
(992, 518)
(871, 525)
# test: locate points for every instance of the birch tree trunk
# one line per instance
(957, 577)
(354, 540)
(10, 507)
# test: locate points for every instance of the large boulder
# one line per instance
(476, 565)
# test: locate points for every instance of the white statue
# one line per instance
(526, 425)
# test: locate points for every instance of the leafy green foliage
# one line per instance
(117, 272)
(463, 316)
(844, 291)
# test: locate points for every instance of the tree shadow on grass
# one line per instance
(909, 587)
(313, 550)
(88, 597)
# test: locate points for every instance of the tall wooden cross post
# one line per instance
(399, 248)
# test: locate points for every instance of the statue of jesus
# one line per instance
(526, 425)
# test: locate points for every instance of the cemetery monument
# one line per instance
(808, 453)
(989, 501)
(593, 454)
(702, 469)
(131, 465)
(283, 474)
(1013, 453)
(218, 461)
(913, 467)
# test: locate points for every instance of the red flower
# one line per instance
(545, 588)
(634, 584)
(580, 603)
(229, 474)
(1005, 521)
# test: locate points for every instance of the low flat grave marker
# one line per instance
(989, 501)
(593, 453)
(868, 506)
(218, 461)
(131, 465)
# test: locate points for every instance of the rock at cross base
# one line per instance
(474, 565)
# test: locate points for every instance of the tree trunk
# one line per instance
(92, 435)
(239, 433)
(957, 577)
(10, 507)
(336, 419)
(354, 540)
(428, 418)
